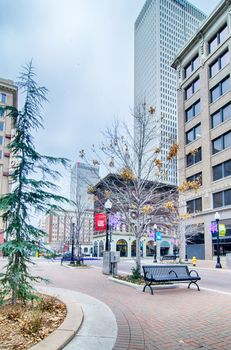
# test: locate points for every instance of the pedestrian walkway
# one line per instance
(93, 335)
(171, 319)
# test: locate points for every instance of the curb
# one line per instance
(62, 335)
(77, 268)
(140, 287)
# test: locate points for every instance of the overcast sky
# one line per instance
(83, 53)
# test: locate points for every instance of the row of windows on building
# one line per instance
(182, 7)
(213, 43)
(220, 199)
(219, 144)
(217, 91)
(219, 171)
(218, 117)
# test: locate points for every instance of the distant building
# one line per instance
(204, 127)
(59, 231)
(82, 177)
(8, 97)
(161, 29)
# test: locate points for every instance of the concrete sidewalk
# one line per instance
(171, 319)
(93, 335)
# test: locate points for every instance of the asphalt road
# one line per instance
(212, 279)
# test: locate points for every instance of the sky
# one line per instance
(83, 53)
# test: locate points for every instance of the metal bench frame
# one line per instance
(168, 273)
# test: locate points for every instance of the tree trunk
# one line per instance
(138, 258)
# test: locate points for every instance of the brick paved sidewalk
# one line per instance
(169, 320)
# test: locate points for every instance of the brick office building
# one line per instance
(204, 127)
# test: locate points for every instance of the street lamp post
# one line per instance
(107, 207)
(72, 245)
(155, 247)
(218, 264)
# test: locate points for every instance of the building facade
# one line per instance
(82, 176)
(123, 241)
(8, 97)
(161, 29)
(122, 237)
(204, 127)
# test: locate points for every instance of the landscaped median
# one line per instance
(139, 283)
(67, 330)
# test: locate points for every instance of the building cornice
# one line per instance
(199, 35)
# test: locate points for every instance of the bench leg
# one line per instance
(198, 288)
(148, 285)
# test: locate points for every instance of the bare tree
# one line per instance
(137, 188)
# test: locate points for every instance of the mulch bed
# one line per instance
(140, 281)
(22, 326)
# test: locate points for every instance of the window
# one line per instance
(192, 111)
(227, 140)
(0, 154)
(221, 143)
(219, 38)
(220, 63)
(217, 145)
(220, 89)
(227, 168)
(193, 157)
(3, 98)
(221, 115)
(191, 66)
(195, 177)
(1, 126)
(193, 134)
(192, 88)
(221, 199)
(1, 140)
(1, 112)
(222, 170)
(194, 205)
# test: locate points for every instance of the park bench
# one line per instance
(168, 257)
(169, 273)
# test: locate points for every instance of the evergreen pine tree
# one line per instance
(32, 189)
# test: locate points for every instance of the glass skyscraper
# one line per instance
(161, 29)
(82, 177)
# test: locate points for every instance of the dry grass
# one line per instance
(23, 326)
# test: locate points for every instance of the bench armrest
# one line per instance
(194, 271)
(145, 274)
(173, 272)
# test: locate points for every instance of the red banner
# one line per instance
(100, 222)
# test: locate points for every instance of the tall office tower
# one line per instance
(161, 29)
(8, 97)
(83, 176)
(204, 127)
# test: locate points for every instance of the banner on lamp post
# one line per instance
(100, 222)
(158, 236)
(222, 230)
